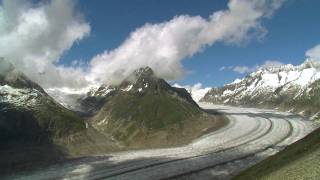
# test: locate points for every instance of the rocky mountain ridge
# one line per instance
(287, 87)
(24, 103)
(144, 111)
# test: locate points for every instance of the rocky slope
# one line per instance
(27, 113)
(289, 88)
(35, 129)
(145, 111)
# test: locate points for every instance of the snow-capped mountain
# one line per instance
(197, 91)
(16, 89)
(141, 81)
(28, 113)
(72, 98)
(69, 97)
(287, 87)
(141, 108)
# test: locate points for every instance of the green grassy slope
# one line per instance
(147, 112)
(35, 130)
(40, 124)
(300, 160)
(129, 112)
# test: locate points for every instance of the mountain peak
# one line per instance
(288, 87)
(11, 76)
(142, 82)
(5, 67)
(310, 63)
(144, 72)
(141, 79)
(141, 105)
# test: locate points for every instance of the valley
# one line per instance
(250, 136)
(142, 128)
(141, 113)
(150, 89)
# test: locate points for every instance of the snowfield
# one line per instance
(285, 87)
(250, 136)
(196, 91)
(18, 97)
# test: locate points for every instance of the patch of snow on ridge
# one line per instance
(106, 92)
(68, 97)
(198, 94)
(300, 75)
(128, 88)
(67, 90)
(236, 81)
(305, 77)
(283, 78)
(289, 75)
(269, 80)
(104, 121)
(196, 91)
(227, 92)
(18, 97)
(292, 75)
(267, 84)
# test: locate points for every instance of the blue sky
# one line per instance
(293, 29)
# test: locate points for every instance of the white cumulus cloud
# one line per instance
(243, 69)
(271, 64)
(314, 53)
(163, 46)
(248, 69)
(34, 36)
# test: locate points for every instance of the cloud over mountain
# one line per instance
(34, 36)
(163, 46)
(247, 69)
(314, 53)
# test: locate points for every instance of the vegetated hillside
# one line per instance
(288, 88)
(146, 111)
(34, 128)
(300, 160)
(28, 114)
